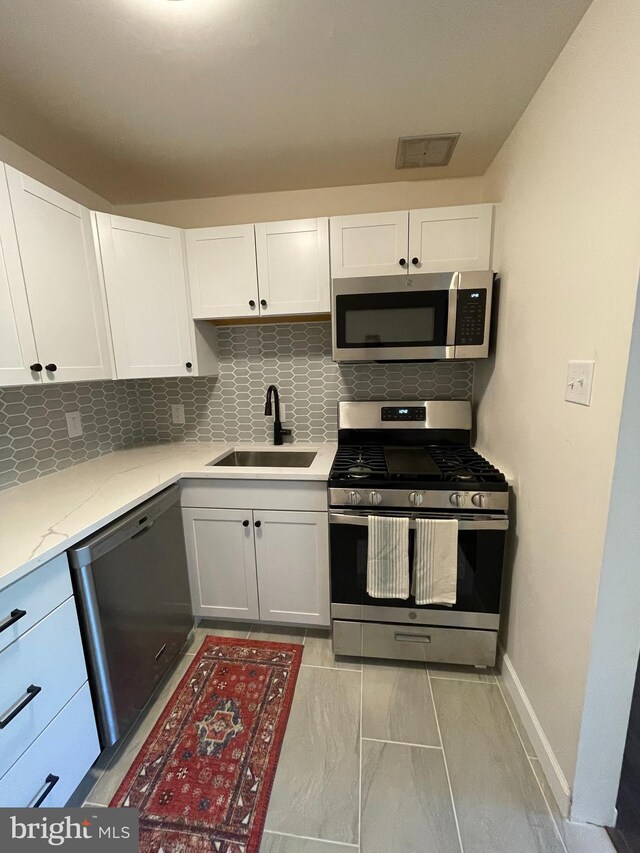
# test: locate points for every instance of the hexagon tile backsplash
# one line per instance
(295, 357)
(33, 430)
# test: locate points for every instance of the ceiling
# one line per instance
(146, 100)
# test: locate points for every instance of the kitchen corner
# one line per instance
(41, 519)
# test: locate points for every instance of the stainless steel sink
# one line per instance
(266, 459)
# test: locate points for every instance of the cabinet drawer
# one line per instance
(66, 749)
(37, 594)
(255, 494)
(415, 642)
(49, 657)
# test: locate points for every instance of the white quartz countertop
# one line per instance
(41, 519)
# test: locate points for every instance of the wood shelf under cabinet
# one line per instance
(258, 321)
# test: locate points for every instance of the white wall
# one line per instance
(301, 204)
(31, 165)
(616, 636)
(568, 248)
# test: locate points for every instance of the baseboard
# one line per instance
(548, 761)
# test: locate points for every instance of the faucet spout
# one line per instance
(278, 432)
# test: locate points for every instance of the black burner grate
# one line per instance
(355, 462)
(463, 463)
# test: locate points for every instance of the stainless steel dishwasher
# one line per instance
(132, 590)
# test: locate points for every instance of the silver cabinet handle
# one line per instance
(30, 694)
(49, 784)
(12, 618)
(412, 638)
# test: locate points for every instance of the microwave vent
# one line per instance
(416, 152)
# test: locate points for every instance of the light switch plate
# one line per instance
(74, 424)
(177, 413)
(579, 382)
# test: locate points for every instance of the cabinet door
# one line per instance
(369, 244)
(146, 287)
(222, 562)
(222, 271)
(61, 276)
(292, 553)
(450, 239)
(17, 344)
(293, 266)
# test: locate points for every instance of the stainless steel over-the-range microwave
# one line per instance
(412, 317)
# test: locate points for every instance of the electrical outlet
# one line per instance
(579, 382)
(177, 413)
(74, 424)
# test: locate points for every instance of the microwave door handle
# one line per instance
(452, 314)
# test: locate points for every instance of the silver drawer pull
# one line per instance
(30, 694)
(12, 618)
(49, 784)
(412, 638)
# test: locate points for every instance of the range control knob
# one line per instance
(375, 498)
(456, 499)
(479, 500)
(415, 499)
(354, 498)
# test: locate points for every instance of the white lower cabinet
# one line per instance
(292, 560)
(51, 769)
(222, 562)
(265, 565)
(48, 734)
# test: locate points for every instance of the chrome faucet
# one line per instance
(278, 432)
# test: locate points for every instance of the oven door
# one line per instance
(481, 543)
(391, 318)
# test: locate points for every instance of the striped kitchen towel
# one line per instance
(388, 557)
(435, 561)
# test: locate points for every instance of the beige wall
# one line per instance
(568, 179)
(31, 165)
(300, 204)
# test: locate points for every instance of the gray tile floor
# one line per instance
(384, 756)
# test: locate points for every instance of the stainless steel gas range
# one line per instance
(414, 459)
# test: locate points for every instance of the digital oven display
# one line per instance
(407, 413)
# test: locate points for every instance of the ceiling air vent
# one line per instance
(415, 152)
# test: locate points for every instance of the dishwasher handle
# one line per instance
(124, 528)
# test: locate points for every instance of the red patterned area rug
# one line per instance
(203, 778)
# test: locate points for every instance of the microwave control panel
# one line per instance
(472, 308)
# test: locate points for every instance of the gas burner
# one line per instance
(359, 462)
(359, 471)
(462, 475)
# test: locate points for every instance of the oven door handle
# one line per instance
(479, 523)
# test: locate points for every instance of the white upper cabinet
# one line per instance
(17, 343)
(293, 266)
(223, 279)
(446, 239)
(60, 270)
(369, 244)
(439, 239)
(146, 287)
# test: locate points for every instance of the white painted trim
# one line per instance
(545, 754)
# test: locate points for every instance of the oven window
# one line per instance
(392, 319)
(480, 559)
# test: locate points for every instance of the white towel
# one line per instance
(435, 561)
(388, 557)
